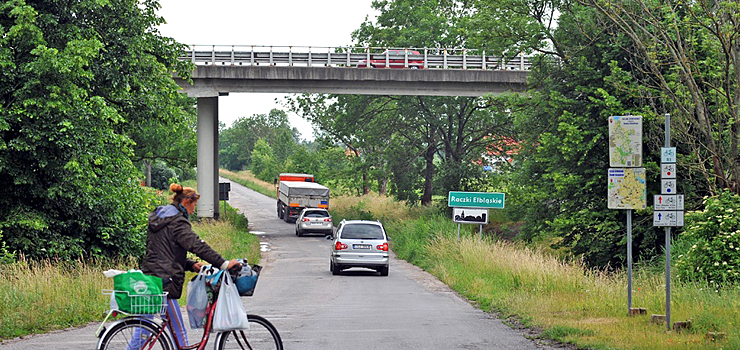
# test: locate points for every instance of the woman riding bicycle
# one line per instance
(169, 238)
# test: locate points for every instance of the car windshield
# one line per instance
(362, 231)
(316, 214)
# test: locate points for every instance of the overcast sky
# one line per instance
(272, 22)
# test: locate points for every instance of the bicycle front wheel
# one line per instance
(261, 335)
(135, 334)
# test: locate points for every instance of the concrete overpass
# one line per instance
(416, 72)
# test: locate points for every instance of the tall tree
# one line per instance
(687, 56)
(237, 142)
(75, 77)
(453, 129)
(180, 147)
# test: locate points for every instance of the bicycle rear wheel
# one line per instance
(134, 334)
(261, 335)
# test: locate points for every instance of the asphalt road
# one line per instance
(312, 309)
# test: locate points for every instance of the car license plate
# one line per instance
(361, 246)
(316, 222)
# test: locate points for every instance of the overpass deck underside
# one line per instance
(215, 80)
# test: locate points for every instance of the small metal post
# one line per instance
(629, 261)
(458, 233)
(465, 61)
(480, 233)
(309, 56)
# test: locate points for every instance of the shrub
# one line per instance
(162, 175)
(709, 249)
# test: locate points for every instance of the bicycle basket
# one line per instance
(246, 279)
(137, 304)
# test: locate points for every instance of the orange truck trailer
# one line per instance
(297, 192)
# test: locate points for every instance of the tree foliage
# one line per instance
(709, 249)
(75, 77)
(687, 58)
(237, 142)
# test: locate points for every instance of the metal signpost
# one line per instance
(668, 208)
(627, 188)
(472, 208)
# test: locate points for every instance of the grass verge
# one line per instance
(563, 300)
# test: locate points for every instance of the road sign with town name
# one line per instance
(476, 200)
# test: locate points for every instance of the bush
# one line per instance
(5, 256)
(162, 175)
(709, 249)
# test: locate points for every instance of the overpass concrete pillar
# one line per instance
(207, 171)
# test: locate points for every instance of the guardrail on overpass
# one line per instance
(313, 56)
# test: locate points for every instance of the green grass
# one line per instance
(38, 297)
(568, 302)
(245, 178)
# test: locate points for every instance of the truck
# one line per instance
(294, 196)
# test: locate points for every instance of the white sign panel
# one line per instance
(664, 218)
(668, 202)
(627, 189)
(668, 186)
(668, 171)
(470, 216)
(667, 218)
(668, 155)
(625, 141)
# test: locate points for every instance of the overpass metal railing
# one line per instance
(355, 57)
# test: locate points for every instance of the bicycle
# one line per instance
(137, 331)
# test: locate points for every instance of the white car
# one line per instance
(314, 220)
(360, 243)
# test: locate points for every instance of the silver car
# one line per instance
(314, 220)
(360, 243)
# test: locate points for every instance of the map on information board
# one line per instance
(627, 188)
(625, 141)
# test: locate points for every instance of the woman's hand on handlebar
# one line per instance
(234, 264)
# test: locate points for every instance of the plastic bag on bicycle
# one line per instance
(197, 301)
(229, 314)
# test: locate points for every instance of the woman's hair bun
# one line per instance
(177, 188)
